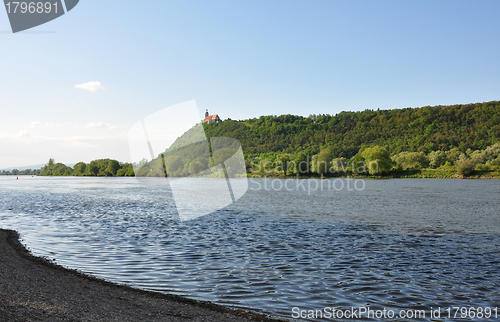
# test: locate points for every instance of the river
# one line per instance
(284, 247)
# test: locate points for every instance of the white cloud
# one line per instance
(100, 125)
(90, 86)
(83, 144)
(35, 124)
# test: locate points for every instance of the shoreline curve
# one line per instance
(35, 289)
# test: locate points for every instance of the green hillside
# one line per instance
(426, 129)
(432, 141)
(447, 141)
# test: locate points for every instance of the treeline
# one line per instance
(459, 137)
(456, 138)
(16, 172)
(199, 158)
(426, 129)
(96, 168)
(377, 160)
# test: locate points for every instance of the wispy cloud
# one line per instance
(100, 125)
(23, 136)
(90, 86)
(35, 124)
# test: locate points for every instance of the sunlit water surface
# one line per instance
(398, 244)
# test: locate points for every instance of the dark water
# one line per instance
(398, 244)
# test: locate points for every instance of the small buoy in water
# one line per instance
(17, 178)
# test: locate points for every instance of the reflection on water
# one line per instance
(398, 244)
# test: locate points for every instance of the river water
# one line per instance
(399, 244)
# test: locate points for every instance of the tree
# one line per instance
(378, 159)
(340, 164)
(411, 160)
(56, 169)
(130, 171)
(113, 167)
(265, 165)
(358, 163)
(426, 129)
(79, 169)
(283, 161)
(91, 169)
(300, 163)
(464, 165)
(196, 167)
(453, 154)
(47, 169)
(321, 161)
(174, 165)
(437, 159)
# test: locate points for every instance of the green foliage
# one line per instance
(175, 165)
(55, 169)
(377, 159)
(196, 166)
(489, 155)
(113, 167)
(60, 169)
(126, 170)
(79, 169)
(103, 167)
(425, 129)
(411, 160)
(415, 137)
(266, 165)
(464, 165)
(91, 170)
(154, 168)
(100, 167)
(340, 164)
(15, 172)
(437, 159)
(283, 161)
(453, 154)
(321, 161)
(300, 163)
(358, 163)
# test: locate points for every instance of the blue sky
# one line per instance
(240, 59)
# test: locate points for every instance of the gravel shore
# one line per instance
(34, 289)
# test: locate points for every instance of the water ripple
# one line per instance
(371, 249)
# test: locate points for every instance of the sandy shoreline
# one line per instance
(33, 289)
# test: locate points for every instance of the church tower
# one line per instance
(206, 113)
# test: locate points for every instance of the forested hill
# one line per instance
(456, 138)
(425, 129)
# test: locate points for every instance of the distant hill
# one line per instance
(38, 166)
(425, 129)
(32, 167)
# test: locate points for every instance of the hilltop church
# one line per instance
(211, 118)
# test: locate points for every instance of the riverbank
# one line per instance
(421, 174)
(34, 289)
